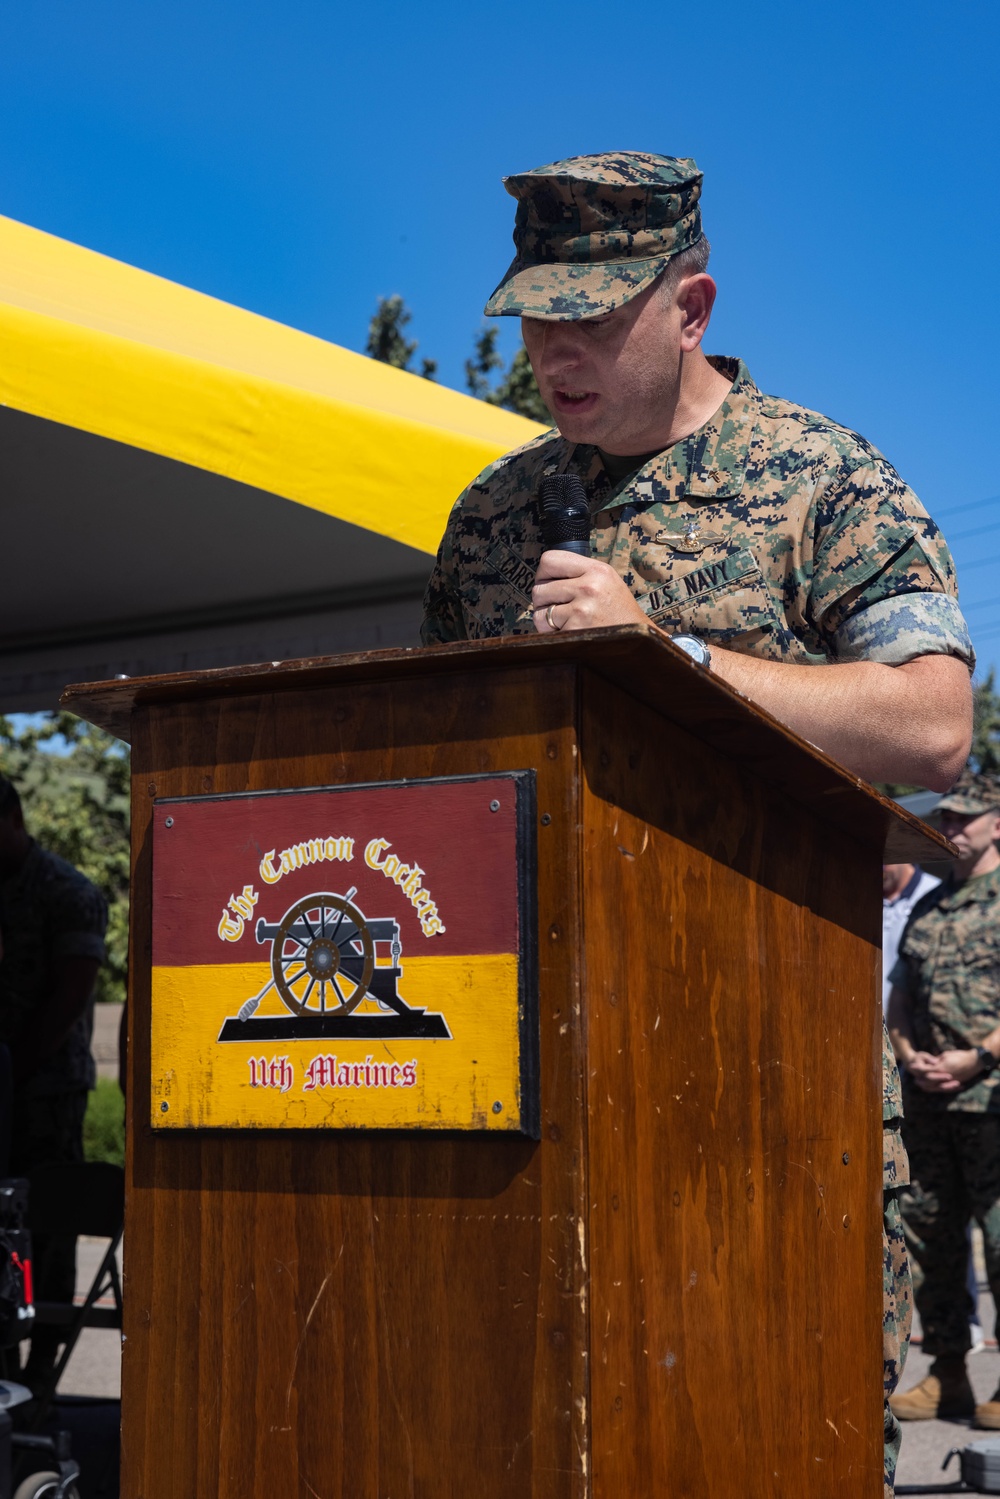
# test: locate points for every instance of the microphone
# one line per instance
(565, 517)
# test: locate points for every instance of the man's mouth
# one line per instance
(574, 400)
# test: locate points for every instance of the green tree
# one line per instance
(516, 388)
(486, 377)
(387, 342)
(479, 369)
(73, 780)
(985, 753)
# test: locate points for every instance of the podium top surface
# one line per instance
(637, 658)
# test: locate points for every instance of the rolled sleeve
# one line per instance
(898, 629)
(878, 560)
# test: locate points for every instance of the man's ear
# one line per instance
(695, 300)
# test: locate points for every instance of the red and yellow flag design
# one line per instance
(350, 957)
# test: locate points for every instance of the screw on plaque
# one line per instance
(498, 1107)
(164, 1106)
(494, 806)
(169, 822)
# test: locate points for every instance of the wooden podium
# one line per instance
(676, 1289)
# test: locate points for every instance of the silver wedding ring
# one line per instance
(549, 620)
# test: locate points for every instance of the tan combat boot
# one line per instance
(944, 1395)
(988, 1414)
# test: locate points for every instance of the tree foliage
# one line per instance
(516, 388)
(986, 726)
(388, 343)
(73, 780)
(486, 376)
(104, 1124)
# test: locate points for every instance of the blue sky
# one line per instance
(302, 159)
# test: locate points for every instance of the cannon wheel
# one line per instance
(327, 960)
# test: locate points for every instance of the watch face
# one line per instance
(695, 648)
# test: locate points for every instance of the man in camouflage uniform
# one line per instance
(944, 1020)
(52, 922)
(763, 538)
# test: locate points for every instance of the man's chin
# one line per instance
(582, 424)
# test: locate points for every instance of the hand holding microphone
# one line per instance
(574, 591)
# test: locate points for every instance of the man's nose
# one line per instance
(560, 348)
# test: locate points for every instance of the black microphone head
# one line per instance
(565, 517)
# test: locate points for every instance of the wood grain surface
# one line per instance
(345, 1316)
(676, 1292)
(733, 1135)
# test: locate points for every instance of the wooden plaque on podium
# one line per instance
(676, 1289)
(347, 957)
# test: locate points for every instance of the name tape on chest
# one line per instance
(705, 579)
(516, 573)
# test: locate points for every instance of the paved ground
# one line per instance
(96, 1365)
(107, 1019)
(926, 1444)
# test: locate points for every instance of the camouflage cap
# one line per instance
(592, 231)
(975, 791)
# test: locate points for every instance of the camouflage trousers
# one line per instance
(897, 1312)
(954, 1176)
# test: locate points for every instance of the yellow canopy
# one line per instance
(94, 344)
(186, 484)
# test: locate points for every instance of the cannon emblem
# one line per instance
(337, 971)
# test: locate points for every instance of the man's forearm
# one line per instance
(886, 723)
(909, 723)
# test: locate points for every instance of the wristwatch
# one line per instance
(696, 649)
(987, 1060)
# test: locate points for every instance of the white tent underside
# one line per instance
(120, 561)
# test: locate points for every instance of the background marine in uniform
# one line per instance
(944, 1020)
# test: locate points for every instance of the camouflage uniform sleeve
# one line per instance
(443, 618)
(883, 586)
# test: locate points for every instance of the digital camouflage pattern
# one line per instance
(955, 1176)
(896, 1303)
(894, 1162)
(771, 531)
(949, 967)
(48, 911)
(897, 1314)
(975, 792)
(591, 231)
